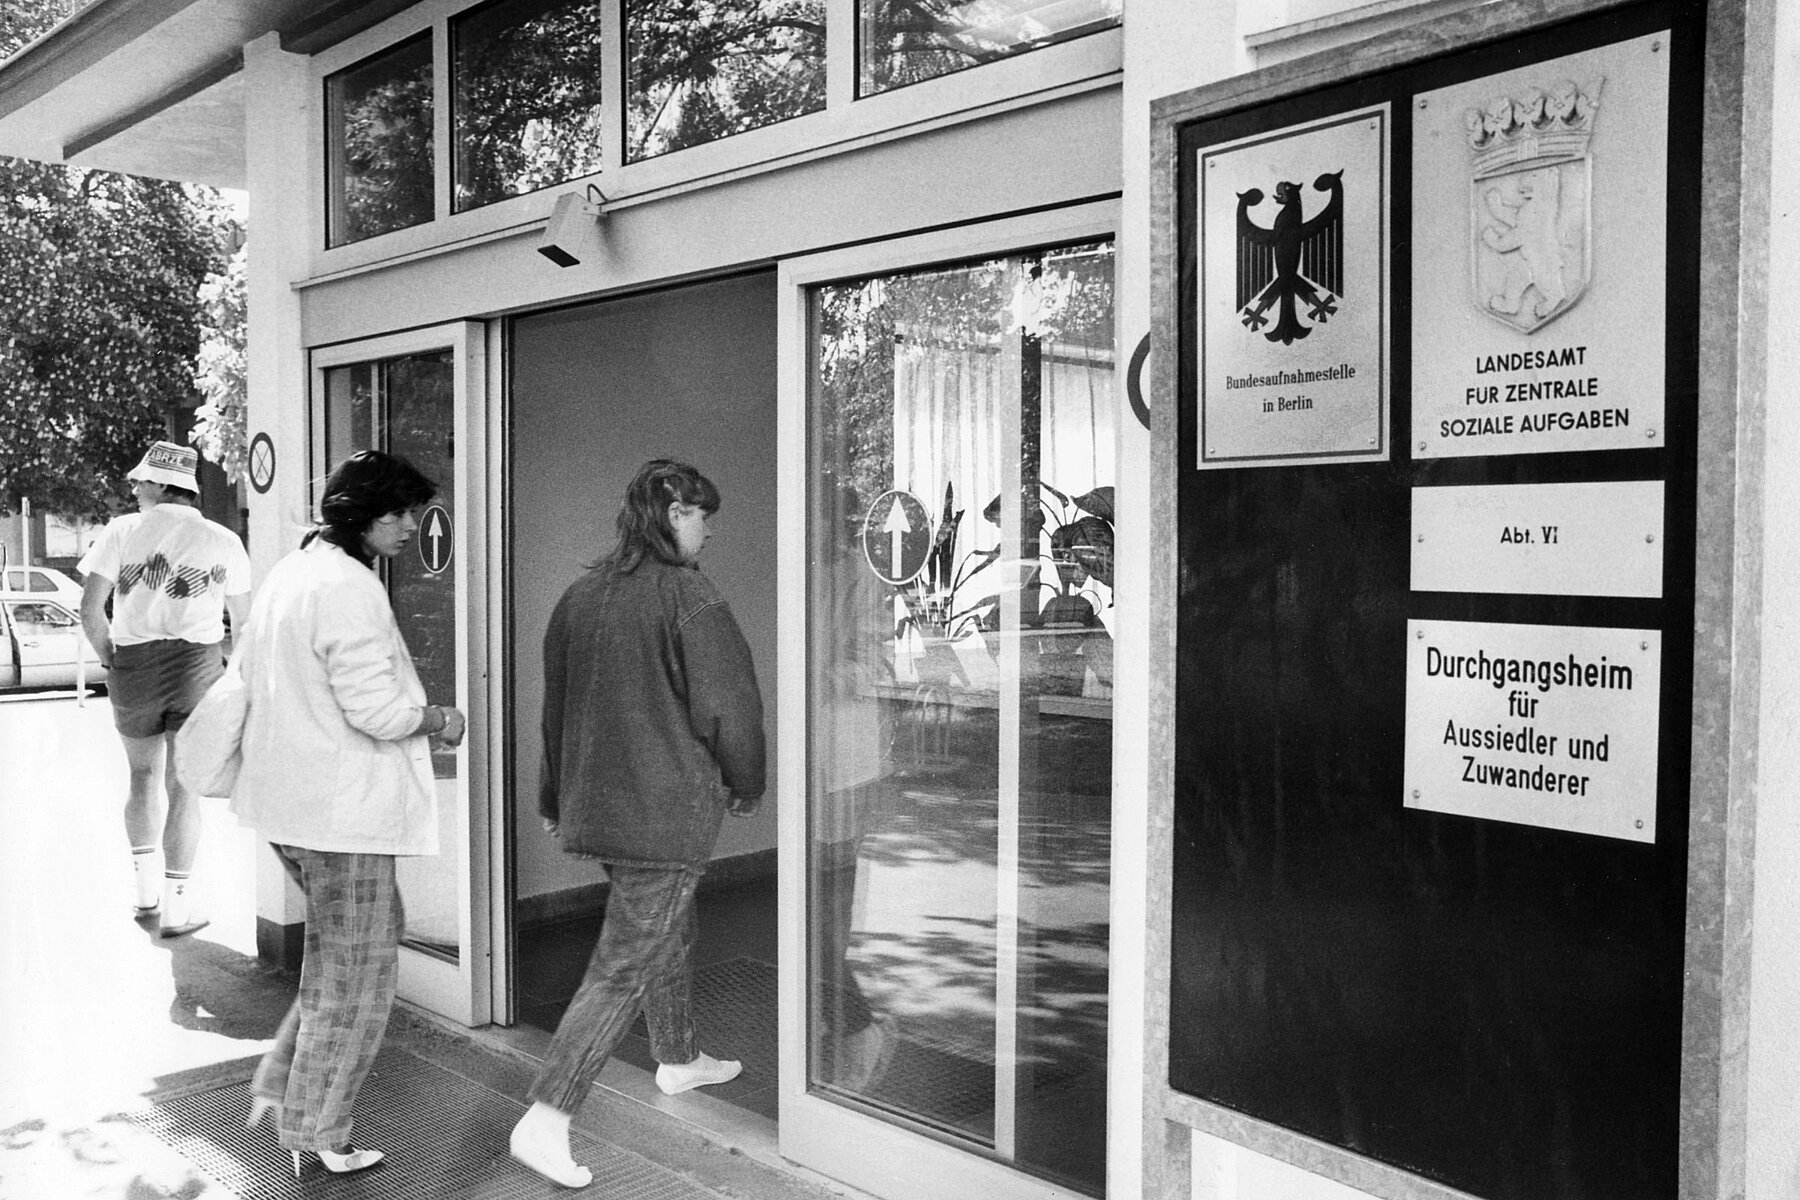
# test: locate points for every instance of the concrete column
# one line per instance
(279, 153)
(1170, 46)
(1771, 387)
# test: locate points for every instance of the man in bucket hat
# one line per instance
(171, 575)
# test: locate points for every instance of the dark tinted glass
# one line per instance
(700, 70)
(906, 41)
(527, 86)
(379, 156)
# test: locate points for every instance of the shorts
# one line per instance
(155, 685)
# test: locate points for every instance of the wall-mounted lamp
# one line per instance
(572, 226)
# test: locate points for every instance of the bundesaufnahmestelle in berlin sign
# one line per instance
(1293, 294)
(1540, 229)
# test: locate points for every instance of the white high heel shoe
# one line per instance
(260, 1107)
(341, 1164)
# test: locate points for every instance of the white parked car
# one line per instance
(40, 582)
(39, 640)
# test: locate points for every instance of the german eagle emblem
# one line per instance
(1295, 259)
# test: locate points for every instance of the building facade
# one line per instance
(906, 280)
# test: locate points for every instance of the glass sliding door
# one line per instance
(409, 396)
(958, 682)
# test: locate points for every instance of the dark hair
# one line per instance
(171, 492)
(643, 521)
(367, 485)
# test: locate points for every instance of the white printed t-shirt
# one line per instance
(171, 570)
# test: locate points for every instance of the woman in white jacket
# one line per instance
(337, 777)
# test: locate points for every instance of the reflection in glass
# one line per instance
(406, 406)
(906, 41)
(349, 411)
(378, 154)
(700, 70)
(960, 727)
(527, 84)
(40, 620)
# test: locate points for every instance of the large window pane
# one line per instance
(960, 682)
(378, 156)
(527, 86)
(700, 70)
(406, 406)
(906, 41)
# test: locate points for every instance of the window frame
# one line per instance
(846, 123)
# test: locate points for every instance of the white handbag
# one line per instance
(208, 747)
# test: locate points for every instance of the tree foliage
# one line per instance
(219, 427)
(528, 81)
(99, 341)
(103, 321)
(23, 20)
(907, 41)
(700, 70)
(385, 169)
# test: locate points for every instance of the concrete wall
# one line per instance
(686, 373)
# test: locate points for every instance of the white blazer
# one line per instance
(331, 761)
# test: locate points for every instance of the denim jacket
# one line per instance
(652, 717)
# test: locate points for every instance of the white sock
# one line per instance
(147, 875)
(177, 899)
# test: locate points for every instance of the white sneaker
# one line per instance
(177, 916)
(702, 1072)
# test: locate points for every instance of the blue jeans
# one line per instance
(642, 961)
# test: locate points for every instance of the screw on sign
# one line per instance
(896, 536)
(436, 539)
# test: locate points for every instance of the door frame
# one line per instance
(851, 1144)
(462, 991)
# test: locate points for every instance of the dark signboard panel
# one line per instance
(1435, 608)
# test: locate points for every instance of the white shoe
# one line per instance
(541, 1141)
(702, 1072)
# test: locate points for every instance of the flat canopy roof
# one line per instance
(155, 87)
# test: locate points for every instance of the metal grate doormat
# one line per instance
(444, 1136)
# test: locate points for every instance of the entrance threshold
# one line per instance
(728, 1148)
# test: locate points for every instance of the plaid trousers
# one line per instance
(642, 961)
(352, 966)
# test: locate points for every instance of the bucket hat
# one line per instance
(170, 464)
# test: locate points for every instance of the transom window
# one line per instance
(527, 97)
(900, 42)
(699, 70)
(531, 95)
(379, 146)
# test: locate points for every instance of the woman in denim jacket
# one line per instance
(652, 733)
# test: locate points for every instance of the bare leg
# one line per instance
(146, 813)
(182, 826)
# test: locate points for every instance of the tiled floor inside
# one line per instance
(734, 986)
